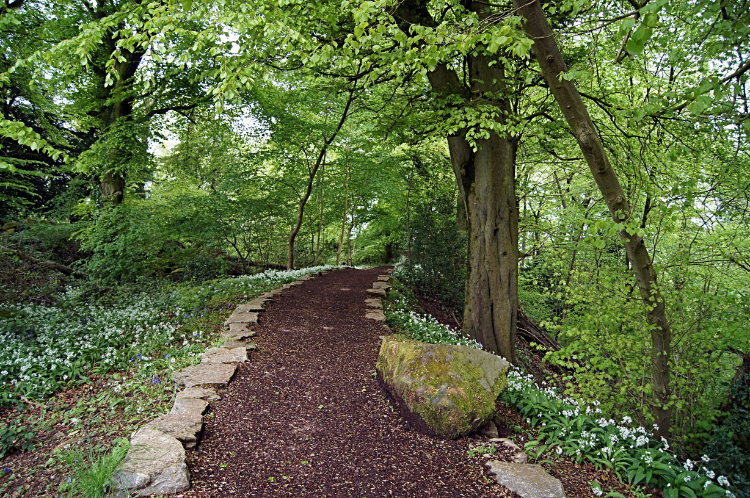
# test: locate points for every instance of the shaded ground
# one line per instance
(306, 417)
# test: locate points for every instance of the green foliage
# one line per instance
(729, 445)
(584, 433)
(93, 471)
(437, 263)
(16, 437)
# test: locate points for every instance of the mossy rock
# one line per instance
(447, 391)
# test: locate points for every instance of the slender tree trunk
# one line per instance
(320, 219)
(551, 62)
(308, 190)
(408, 213)
(346, 207)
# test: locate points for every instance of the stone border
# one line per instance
(156, 461)
(379, 289)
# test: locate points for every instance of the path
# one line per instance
(306, 417)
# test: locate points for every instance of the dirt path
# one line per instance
(306, 417)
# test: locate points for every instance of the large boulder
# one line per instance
(446, 391)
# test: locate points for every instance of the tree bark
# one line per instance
(320, 220)
(486, 180)
(550, 60)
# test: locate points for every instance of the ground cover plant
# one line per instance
(78, 377)
(557, 426)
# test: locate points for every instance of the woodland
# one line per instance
(581, 166)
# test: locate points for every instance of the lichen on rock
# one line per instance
(447, 391)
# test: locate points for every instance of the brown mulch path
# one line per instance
(306, 416)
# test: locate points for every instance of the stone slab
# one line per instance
(276, 292)
(528, 481)
(185, 427)
(375, 315)
(237, 332)
(381, 285)
(377, 292)
(242, 318)
(224, 355)
(205, 373)
(205, 393)
(374, 302)
(384, 278)
(303, 278)
(189, 406)
(255, 305)
(232, 344)
(155, 465)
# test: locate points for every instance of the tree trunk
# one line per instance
(320, 220)
(488, 176)
(321, 157)
(551, 62)
(486, 180)
(346, 207)
(408, 214)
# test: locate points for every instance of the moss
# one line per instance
(448, 395)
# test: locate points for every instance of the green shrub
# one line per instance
(437, 263)
(730, 445)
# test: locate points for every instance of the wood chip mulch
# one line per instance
(306, 416)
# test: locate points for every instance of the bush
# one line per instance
(437, 263)
(730, 444)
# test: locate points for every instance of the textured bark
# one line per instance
(486, 181)
(551, 62)
(346, 207)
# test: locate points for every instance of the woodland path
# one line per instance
(306, 416)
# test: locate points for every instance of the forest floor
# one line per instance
(306, 416)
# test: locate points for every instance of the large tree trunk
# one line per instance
(551, 62)
(486, 179)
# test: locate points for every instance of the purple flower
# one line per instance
(156, 380)
(7, 470)
(167, 357)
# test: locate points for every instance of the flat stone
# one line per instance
(205, 373)
(267, 296)
(205, 393)
(242, 318)
(304, 278)
(155, 465)
(237, 332)
(375, 315)
(185, 427)
(381, 285)
(253, 306)
(374, 302)
(232, 344)
(377, 292)
(224, 355)
(276, 292)
(189, 406)
(384, 278)
(528, 481)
